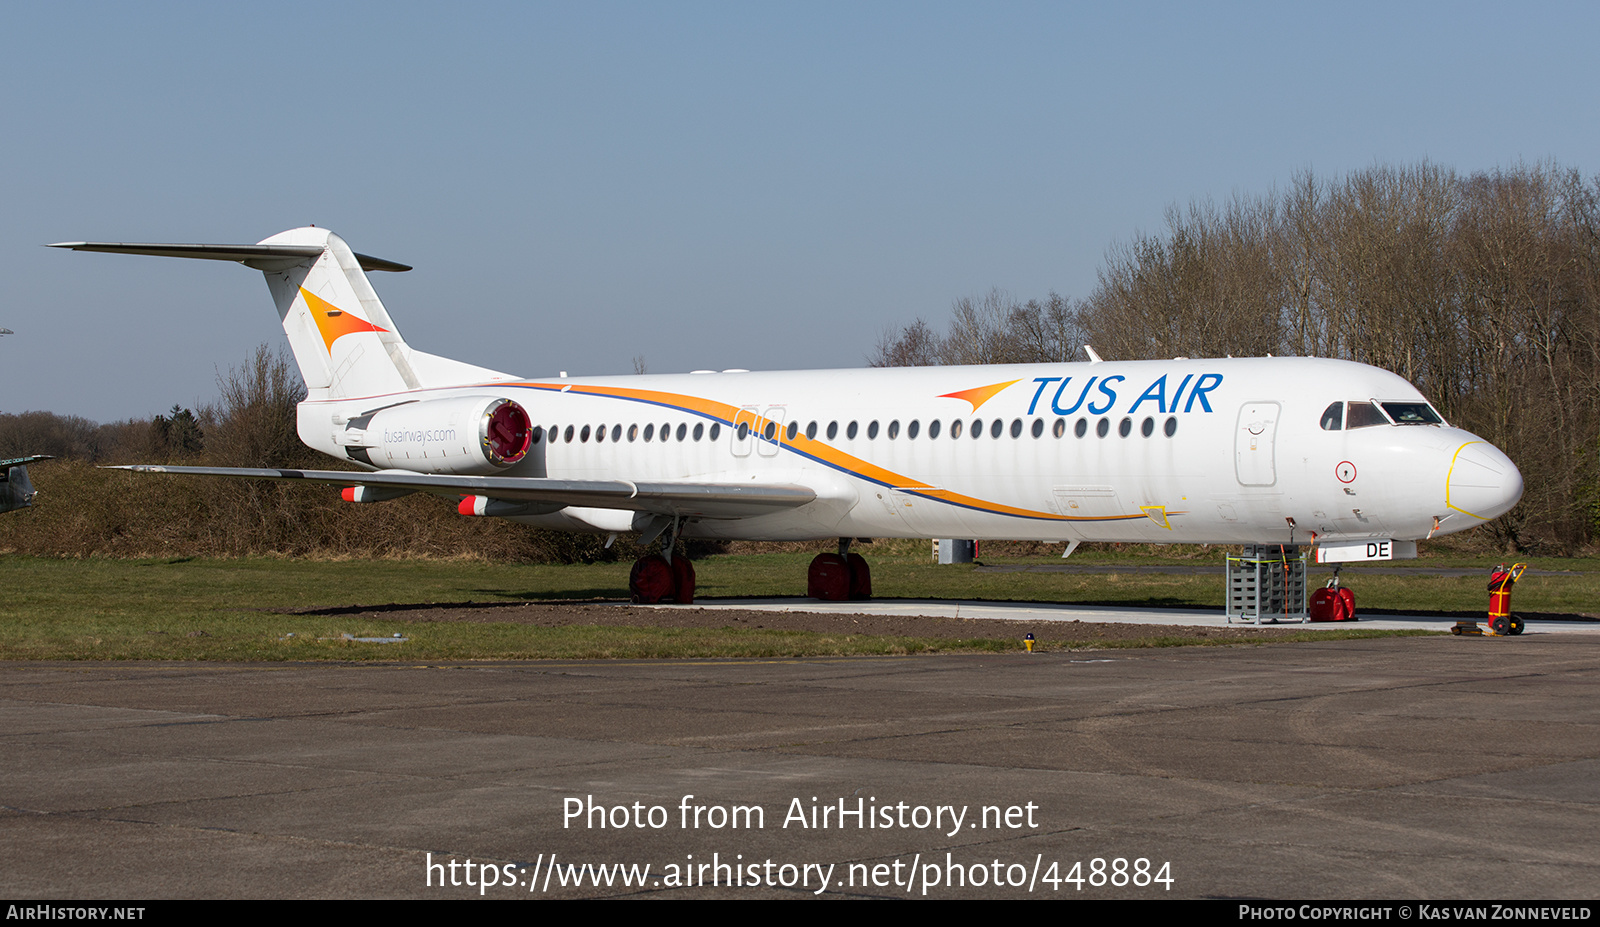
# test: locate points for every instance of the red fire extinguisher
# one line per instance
(1501, 581)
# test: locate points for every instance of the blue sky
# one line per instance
(707, 185)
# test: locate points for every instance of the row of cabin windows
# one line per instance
(698, 432)
(996, 428)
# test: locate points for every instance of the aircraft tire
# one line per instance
(650, 581)
(828, 578)
(860, 577)
(682, 581)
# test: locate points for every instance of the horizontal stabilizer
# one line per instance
(261, 257)
(706, 500)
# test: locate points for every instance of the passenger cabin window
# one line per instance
(1333, 417)
(1412, 413)
(955, 428)
(1364, 415)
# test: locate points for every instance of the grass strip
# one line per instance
(187, 609)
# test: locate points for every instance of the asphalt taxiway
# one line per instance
(1053, 612)
(1409, 768)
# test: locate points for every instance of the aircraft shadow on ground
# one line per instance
(503, 600)
(611, 595)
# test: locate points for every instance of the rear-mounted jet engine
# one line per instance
(477, 435)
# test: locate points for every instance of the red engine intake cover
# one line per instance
(507, 435)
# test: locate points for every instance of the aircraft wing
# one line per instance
(22, 461)
(705, 500)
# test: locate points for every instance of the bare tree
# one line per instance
(990, 329)
(254, 421)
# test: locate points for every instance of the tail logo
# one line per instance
(334, 323)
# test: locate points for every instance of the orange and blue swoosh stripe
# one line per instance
(819, 451)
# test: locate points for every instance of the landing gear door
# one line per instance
(1253, 444)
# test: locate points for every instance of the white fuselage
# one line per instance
(1249, 450)
(1179, 451)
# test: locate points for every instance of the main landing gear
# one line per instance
(662, 577)
(841, 576)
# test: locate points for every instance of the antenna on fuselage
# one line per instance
(1093, 357)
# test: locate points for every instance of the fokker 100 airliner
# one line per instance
(1249, 450)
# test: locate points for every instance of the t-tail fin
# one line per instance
(343, 339)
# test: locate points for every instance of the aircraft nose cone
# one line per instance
(1483, 482)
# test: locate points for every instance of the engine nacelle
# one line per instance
(471, 435)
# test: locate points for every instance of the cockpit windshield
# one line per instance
(1358, 414)
(1364, 415)
(1412, 413)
